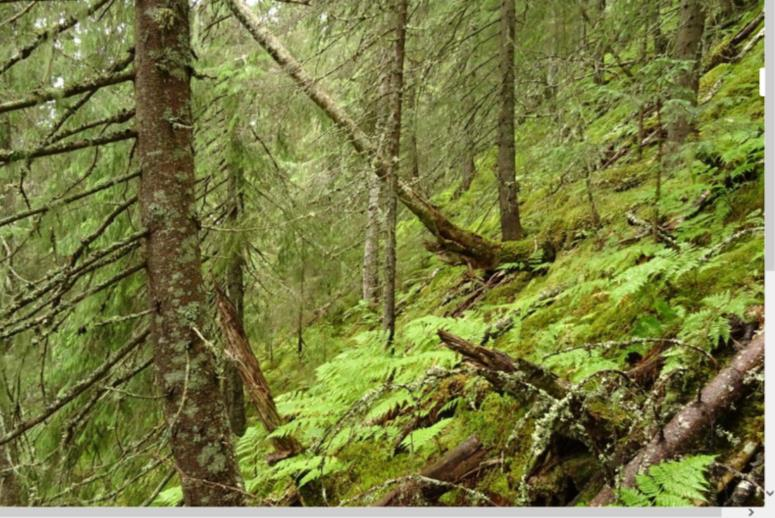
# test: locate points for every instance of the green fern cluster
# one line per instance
(678, 483)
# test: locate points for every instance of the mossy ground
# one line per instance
(609, 287)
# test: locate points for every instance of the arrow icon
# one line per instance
(770, 493)
(750, 512)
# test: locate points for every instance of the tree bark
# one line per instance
(239, 350)
(461, 245)
(511, 226)
(185, 369)
(393, 150)
(233, 390)
(687, 49)
(695, 418)
(370, 274)
(413, 152)
(660, 42)
(491, 363)
(598, 63)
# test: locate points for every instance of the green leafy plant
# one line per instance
(677, 483)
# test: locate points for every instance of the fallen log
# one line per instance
(451, 468)
(492, 364)
(675, 438)
(728, 53)
(238, 350)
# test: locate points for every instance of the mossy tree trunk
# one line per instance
(185, 368)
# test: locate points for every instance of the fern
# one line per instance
(678, 483)
(420, 439)
(171, 497)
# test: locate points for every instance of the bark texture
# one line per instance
(239, 351)
(451, 240)
(688, 44)
(185, 368)
(695, 418)
(370, 290)
(393, 150)
(511, 226)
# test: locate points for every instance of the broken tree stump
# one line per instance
(451, 468)
(238, 350)
(694, 418)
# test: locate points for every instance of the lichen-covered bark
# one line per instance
(395, 100)
(10, 490)
(185, 370)
(716, 397)
(370, 289)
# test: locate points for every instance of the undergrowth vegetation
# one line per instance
(611, 295)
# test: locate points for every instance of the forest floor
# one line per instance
(616, 300)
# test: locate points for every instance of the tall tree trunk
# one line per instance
(413, 152)
(300, 314)
(393, 150)
(452, 242)
(185, 369)
(371, 243)
(233, 389)
(598, 65)
(660, 42)
(687, 48)
(511, 227)
(371, 248)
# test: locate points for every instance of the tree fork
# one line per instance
(464, 246)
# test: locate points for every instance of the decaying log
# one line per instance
(728, 53)
(237, 348)
(493, 364)
(737, 464)
(451, 468)
(716, 397)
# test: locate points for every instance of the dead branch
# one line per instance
(69, 199)
(48, 34)
(76, 390)
(716, 397)
(237, 348)
(8, 156)
(50, 94)
(493, 364)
